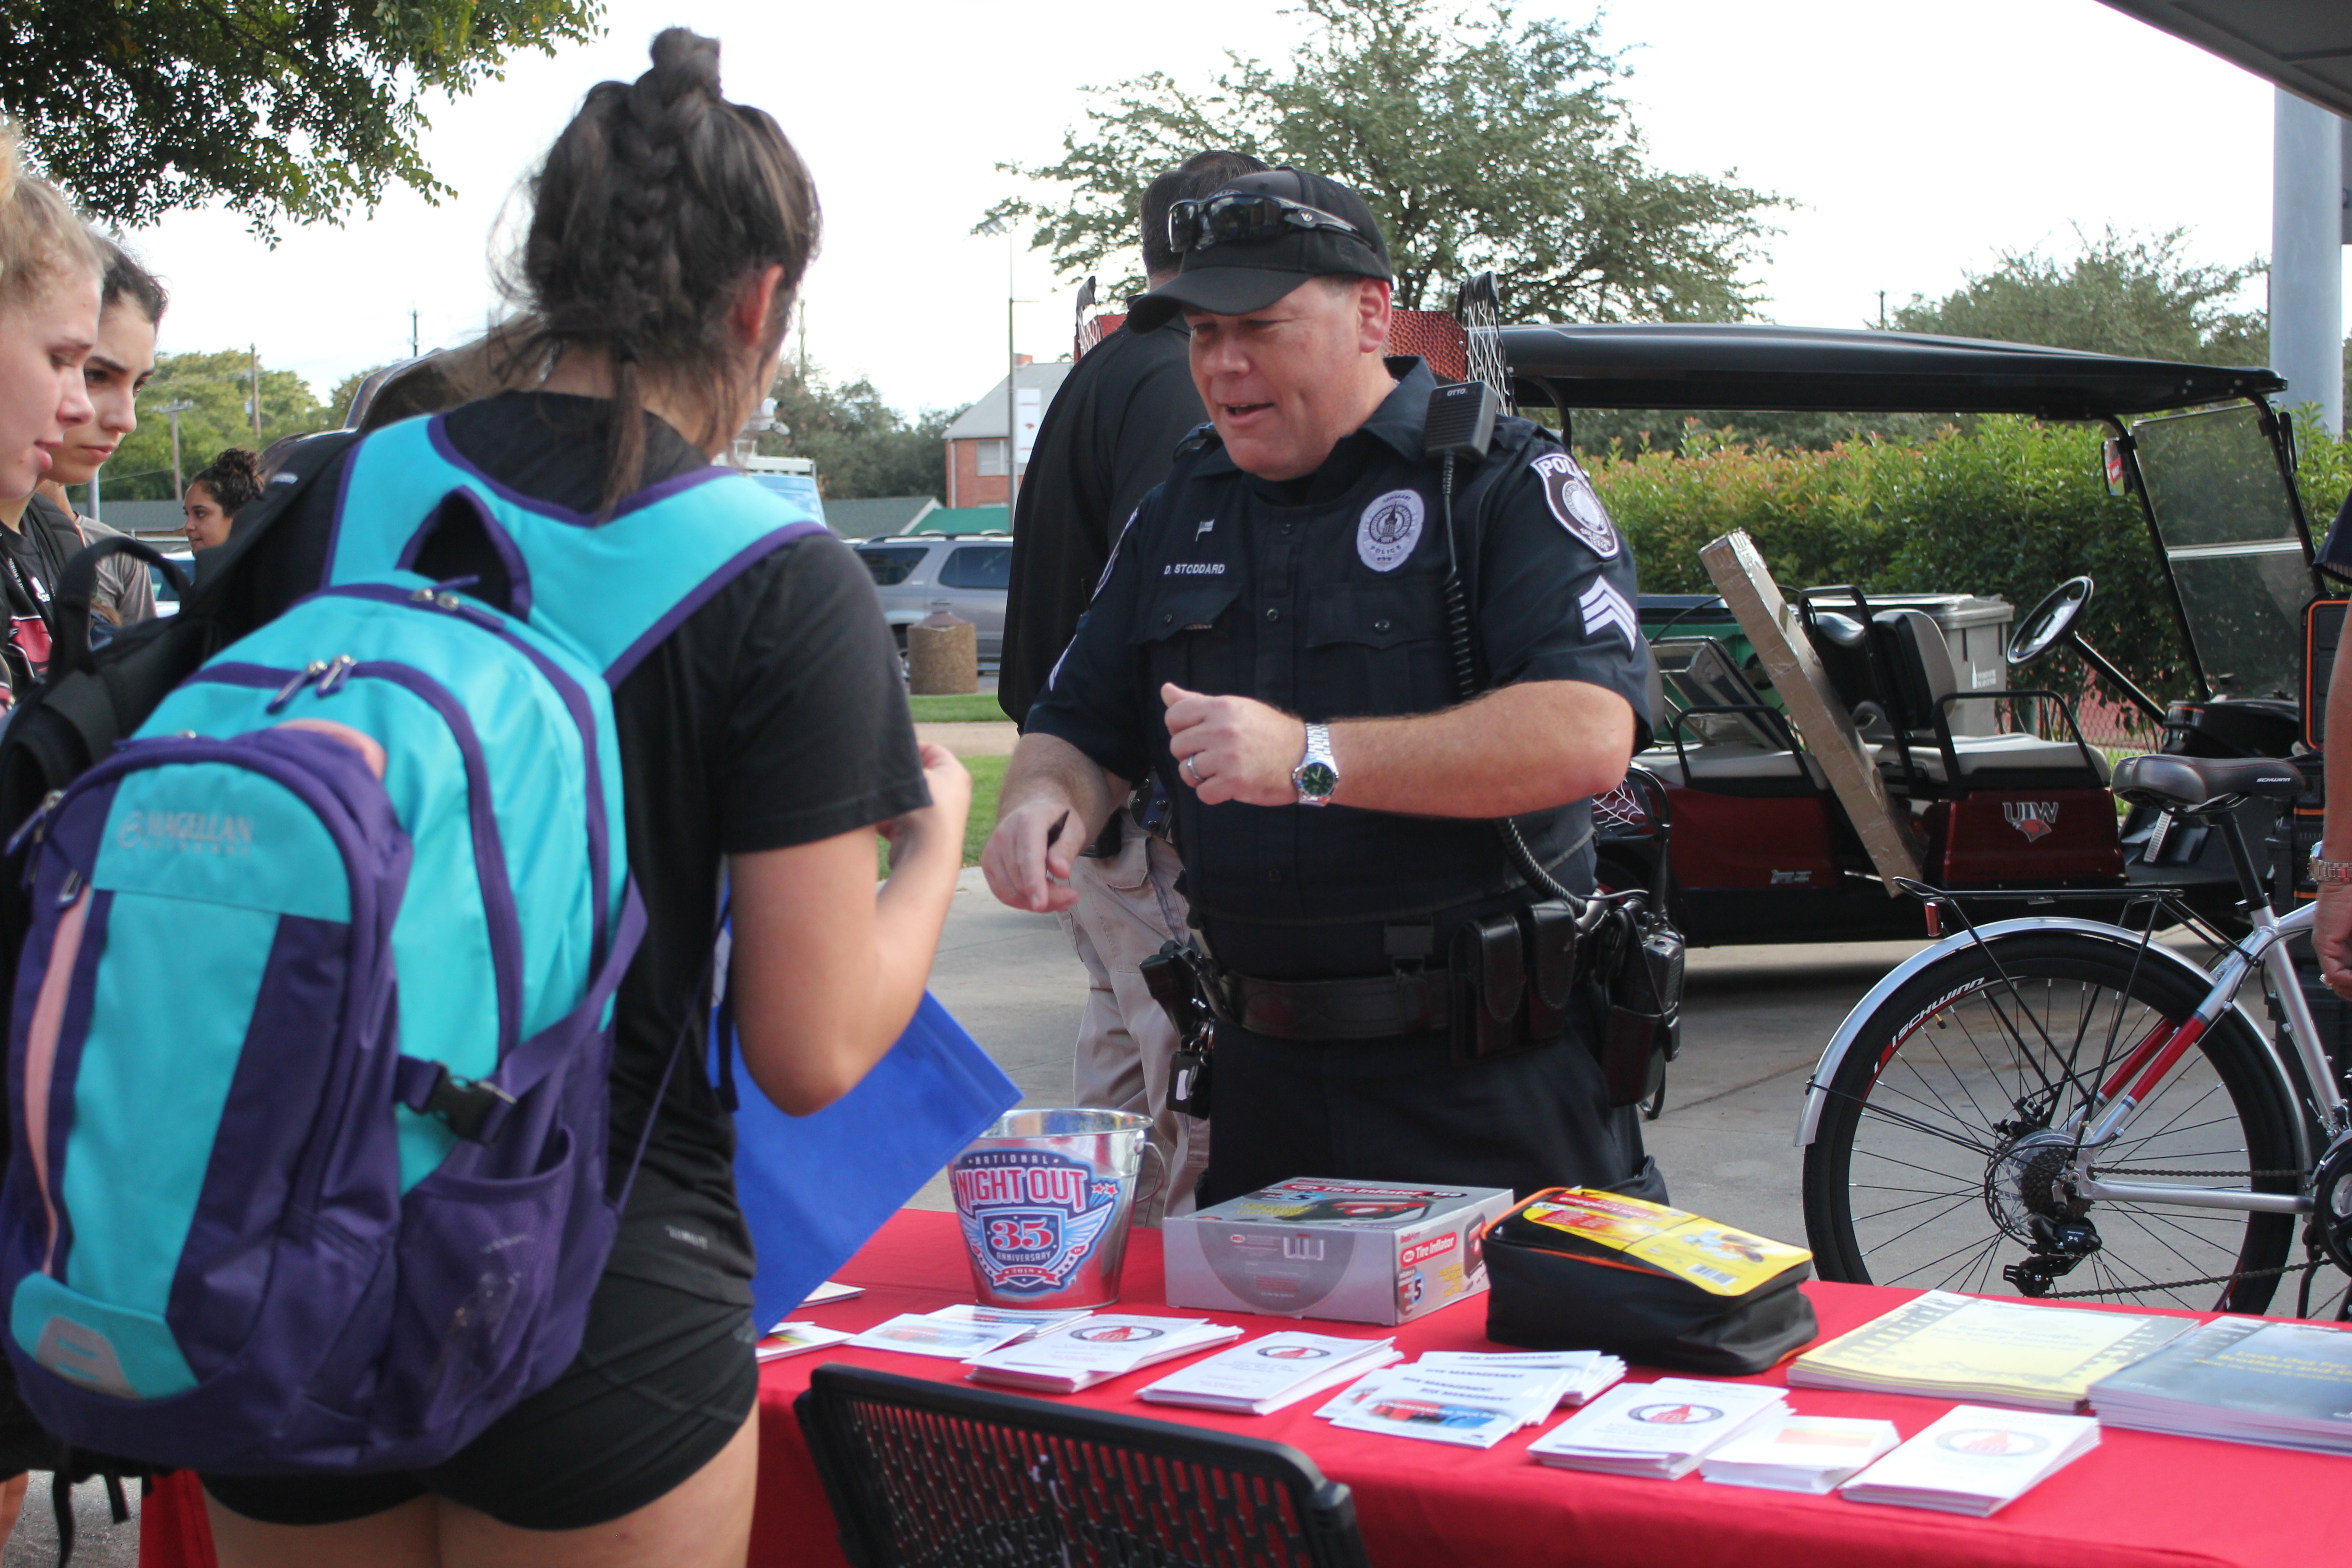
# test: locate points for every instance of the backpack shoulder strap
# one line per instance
(612, 589)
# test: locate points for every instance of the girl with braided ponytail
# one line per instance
(766, 737)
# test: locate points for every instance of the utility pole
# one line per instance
(2306, 283)
(413, 350)
(1012, 375)
(172, 411)
(253, 360)
(802, 313)
(1882, 309)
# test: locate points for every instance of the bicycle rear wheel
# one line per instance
(1949, 1119)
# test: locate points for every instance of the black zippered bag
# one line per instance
(1548, 1291)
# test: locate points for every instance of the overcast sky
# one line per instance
(1919, 141)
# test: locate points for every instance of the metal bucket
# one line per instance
(1045, 1197)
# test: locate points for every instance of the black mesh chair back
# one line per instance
(936, 1475)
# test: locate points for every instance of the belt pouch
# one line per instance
(1549, 931)
(1490, 962)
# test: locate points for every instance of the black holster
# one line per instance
(1179, 980)
(1643, 967)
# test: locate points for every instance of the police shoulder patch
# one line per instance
(1389, 529)
(1569, 495)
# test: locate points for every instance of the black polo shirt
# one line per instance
(1323, 596)
(1109, 436)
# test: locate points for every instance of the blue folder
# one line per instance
(814, 1188)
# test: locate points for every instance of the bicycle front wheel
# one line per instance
(1940, 1156)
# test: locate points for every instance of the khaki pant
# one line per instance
(1127, 907)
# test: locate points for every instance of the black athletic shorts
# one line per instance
(664, 1379)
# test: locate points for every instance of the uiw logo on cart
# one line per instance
(1031, 1217)
(2034, 818)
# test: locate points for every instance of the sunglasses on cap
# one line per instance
(1242, 215)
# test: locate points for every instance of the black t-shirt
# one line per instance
(32, 564)
(772, 717)
(1109, 437)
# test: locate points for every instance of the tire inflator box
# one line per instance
(1359, 1252)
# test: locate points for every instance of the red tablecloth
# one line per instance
(2137, 1499)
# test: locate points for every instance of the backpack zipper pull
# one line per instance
(309, 672)
(336, 674)
(36, 825)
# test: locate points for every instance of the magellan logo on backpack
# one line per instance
(186, 832)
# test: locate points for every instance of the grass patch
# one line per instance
(978, 707)
(987, 779)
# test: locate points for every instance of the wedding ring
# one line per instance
(1193, 772)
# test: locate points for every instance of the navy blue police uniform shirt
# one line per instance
(1323, 596)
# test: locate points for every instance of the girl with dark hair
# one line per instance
(131, 308)
(766, 738)
(218, 493)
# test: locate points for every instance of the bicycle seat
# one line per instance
(2198, 784)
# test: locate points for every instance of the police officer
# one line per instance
(1272, 641)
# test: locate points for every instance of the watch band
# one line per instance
(2330, 870)
(1317, 776)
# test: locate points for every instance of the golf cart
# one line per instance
(1980, 786)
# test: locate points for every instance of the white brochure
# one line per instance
(1269, 1372)
(1800, 1453)
(1660, 1429)
(1976, 1460)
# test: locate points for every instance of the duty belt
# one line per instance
(1368, 1009)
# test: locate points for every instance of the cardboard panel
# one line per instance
(1771, 626)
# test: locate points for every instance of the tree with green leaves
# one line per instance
(1482, 144)
(862, 446)
(2121, 293)
(218, 384)
(294, 110)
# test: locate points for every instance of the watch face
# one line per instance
(1316, 779)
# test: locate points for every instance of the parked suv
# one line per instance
(968, 574)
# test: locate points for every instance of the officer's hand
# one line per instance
(1234, 748)
(1029, 856)
(2331, 937)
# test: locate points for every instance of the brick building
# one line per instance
(976, 445)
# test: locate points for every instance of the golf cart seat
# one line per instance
(1736, 767)
(1927, 685)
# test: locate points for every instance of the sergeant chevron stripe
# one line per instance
(1604, 607)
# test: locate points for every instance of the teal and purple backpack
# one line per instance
(310, 1038)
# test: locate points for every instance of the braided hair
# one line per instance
(657, 205)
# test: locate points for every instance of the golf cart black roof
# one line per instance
(1825, 370)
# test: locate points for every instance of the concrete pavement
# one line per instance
(1754, 1022)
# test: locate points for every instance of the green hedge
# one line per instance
(2008, 506)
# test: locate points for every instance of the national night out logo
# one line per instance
(2034, 818)
(1031, 1217)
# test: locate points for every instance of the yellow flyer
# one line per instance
(1715, 1257)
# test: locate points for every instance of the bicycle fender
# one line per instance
(1834, 1054)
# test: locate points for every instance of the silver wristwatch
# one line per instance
(2328, 870)
(1316, 775)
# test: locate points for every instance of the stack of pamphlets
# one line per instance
(1800, 1453)
(831, 1290)
(1476, 1406)
(791, 1338)
(2286, 1384)
(956, 1333)
(1590, 1372)
(1658, 1430)
(1261, 1376)
(1975, 1461)
(2009, 1352)
(1102, 1346)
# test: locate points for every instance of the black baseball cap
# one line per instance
(1234, 277)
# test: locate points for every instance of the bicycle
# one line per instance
(2066, 1107)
